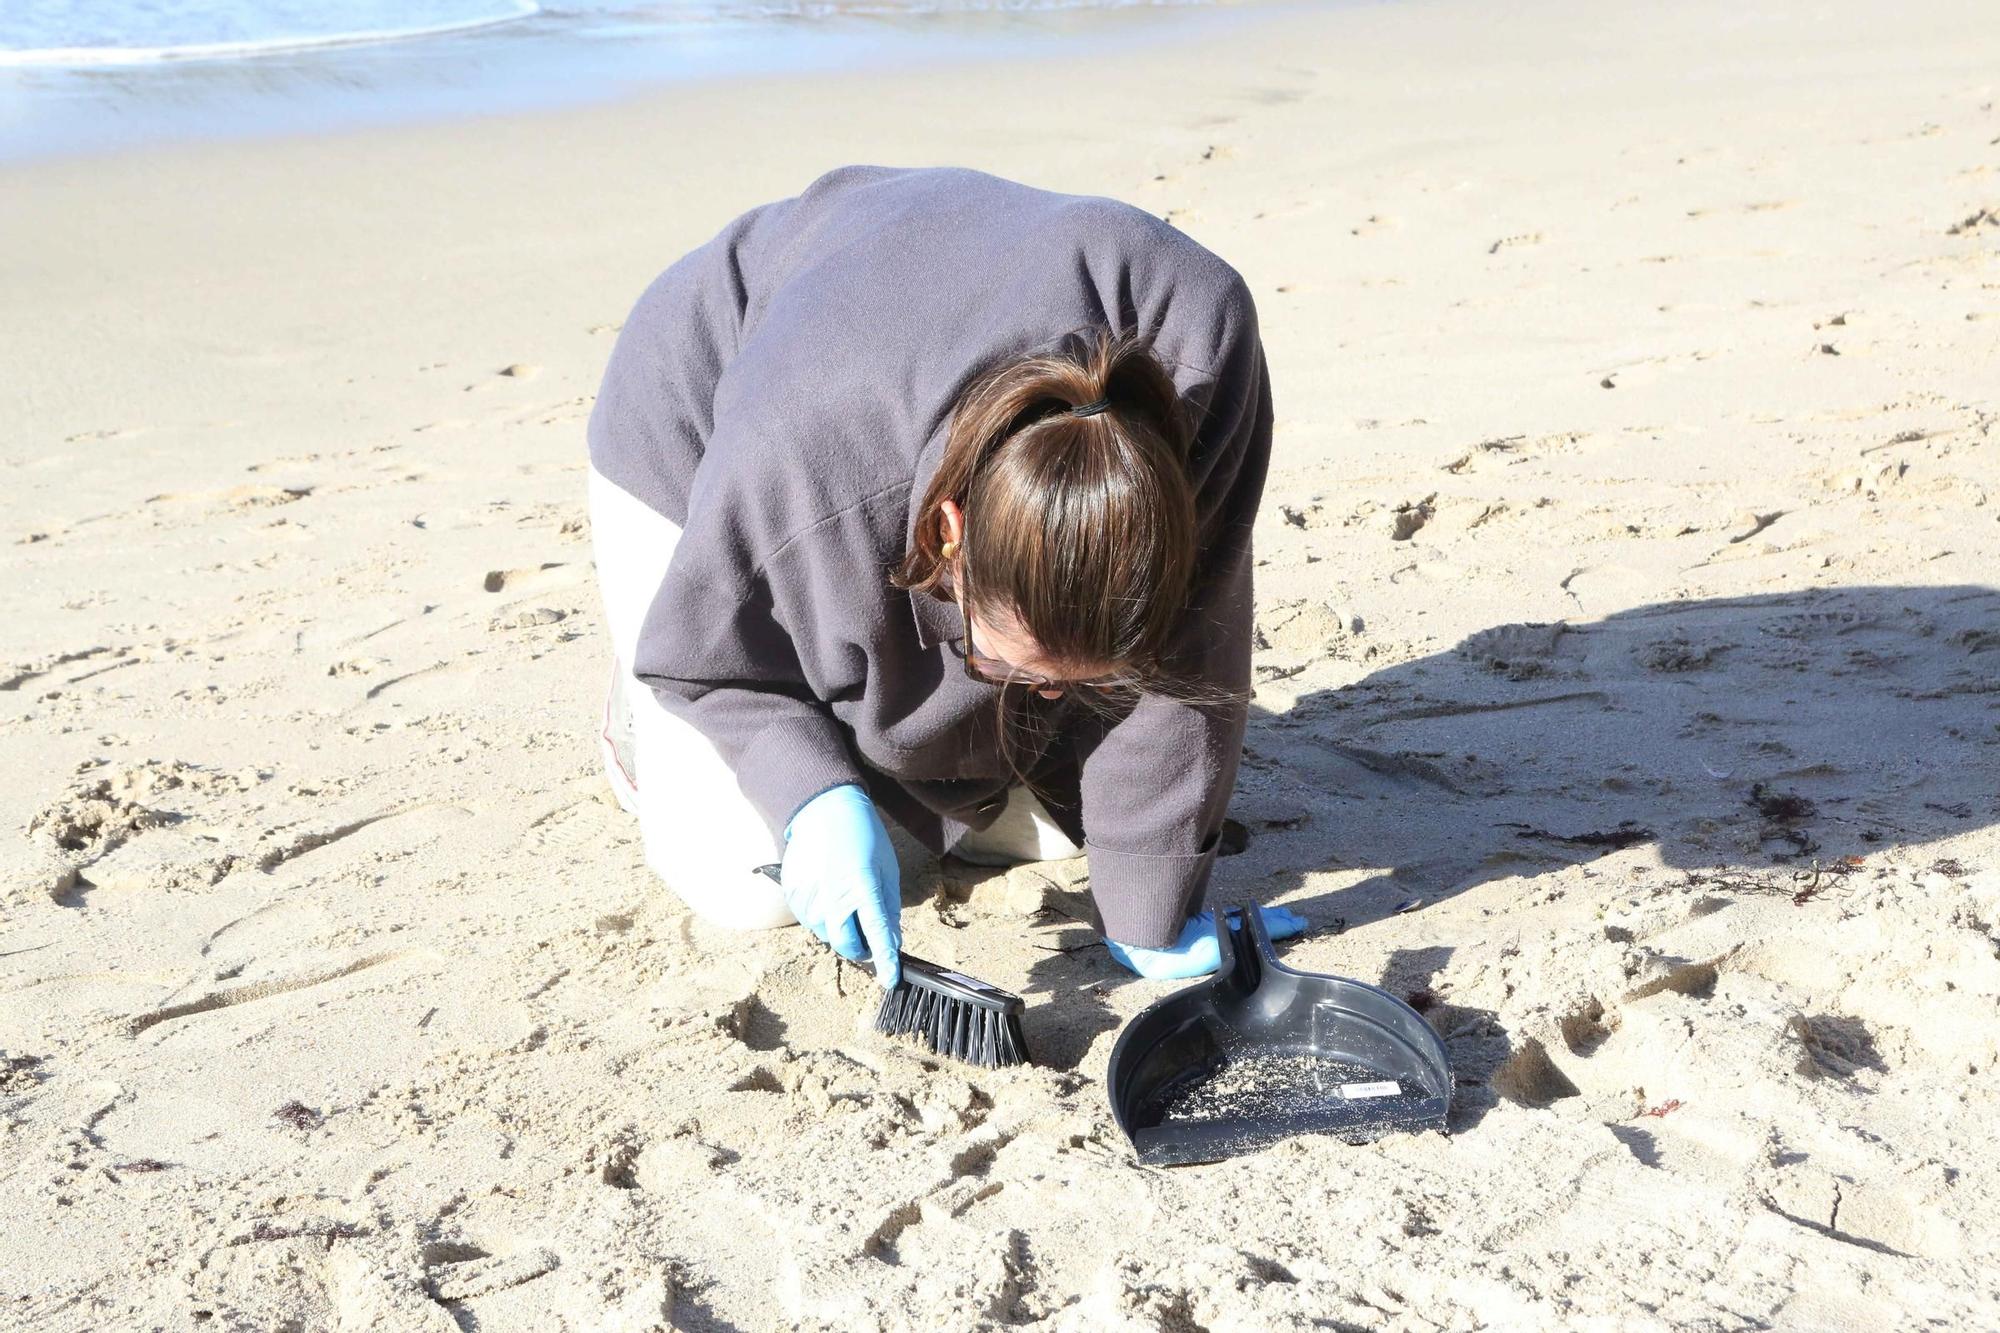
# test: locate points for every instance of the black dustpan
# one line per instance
(1259, 1053)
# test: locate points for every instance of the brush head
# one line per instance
(954, 1015)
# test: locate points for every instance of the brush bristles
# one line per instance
(975, 1033)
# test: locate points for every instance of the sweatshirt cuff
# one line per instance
(1146, 900)
(789, 763)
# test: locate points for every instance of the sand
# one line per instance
(1628, 685)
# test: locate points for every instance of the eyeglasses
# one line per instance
(992, 671)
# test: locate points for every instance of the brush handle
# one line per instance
(927, 970)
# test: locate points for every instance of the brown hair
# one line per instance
(1080, 529)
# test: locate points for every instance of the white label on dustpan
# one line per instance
(1354, 1091)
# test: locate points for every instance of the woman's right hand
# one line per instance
(1196, 953)
(841, 880)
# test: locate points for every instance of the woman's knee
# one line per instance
(734, 898)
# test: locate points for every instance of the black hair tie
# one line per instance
(1090, 409)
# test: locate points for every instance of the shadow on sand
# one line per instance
(1767, 733)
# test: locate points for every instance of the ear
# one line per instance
(951, 520)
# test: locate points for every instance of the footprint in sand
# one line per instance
(441, 684)
(519, 370)
(571, 831)
(1305, 626)
(457, 1273)
(264, 497)
(1594, 1050)
(1274, 96)
(1289, 209)
(21, 1073)
(1587, 1026)
(214, 1001)
(249, 496)
(95, 819)
(1760, 206)
(1750, 523)
(527, 618)
(1301, 516)
(1634, 373)
(1884, 1217)
(1696, 981)
(1513, 450)
(1529, 1077)
(171, 860)
(1410, 517)
(529, 580)
(357, 666)
(1974, 221)
(1518, 651)
(570, 409)
(1836, 1046)
(410, 826)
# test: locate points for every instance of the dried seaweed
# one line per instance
(1625, 835)
(1781, 807)
(145, 1165)
(298, 1115)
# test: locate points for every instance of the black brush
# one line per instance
(956, 1016)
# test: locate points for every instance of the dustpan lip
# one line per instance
(1422, 1038)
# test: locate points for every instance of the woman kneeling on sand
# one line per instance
(927, 494)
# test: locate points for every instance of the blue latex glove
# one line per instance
(840, 879)
(1195, 953)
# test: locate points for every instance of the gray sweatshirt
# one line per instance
(782, 393)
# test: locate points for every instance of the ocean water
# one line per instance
(79, 76)
(130, 32)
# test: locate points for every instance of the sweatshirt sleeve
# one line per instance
(717, 651)
(1155, 787)
(717, 647)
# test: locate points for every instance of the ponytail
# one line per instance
(1071, 466)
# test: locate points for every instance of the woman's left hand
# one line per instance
(1195, 953)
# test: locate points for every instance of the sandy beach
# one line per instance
(1628, 694)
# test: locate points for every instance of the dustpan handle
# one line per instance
(1259, 934)
(1240, 963)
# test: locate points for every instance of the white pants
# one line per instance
(1024, 831)
(701, 835)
